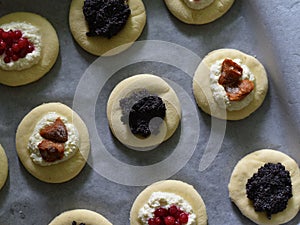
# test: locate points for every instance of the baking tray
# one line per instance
(267, 29)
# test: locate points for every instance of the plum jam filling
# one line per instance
(14, 46)
(105, 17)
(270, 189)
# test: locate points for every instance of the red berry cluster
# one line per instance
(13, 45)
(170, 216)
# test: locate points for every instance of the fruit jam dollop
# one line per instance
(20, 46)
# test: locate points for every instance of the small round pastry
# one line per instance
(29, 48)
(265, 186)
(3, 167)
(80, 217)
(198, 11)
(100, 35)
(53, 143)
(229, 84)
(143, 111)
(170, 201)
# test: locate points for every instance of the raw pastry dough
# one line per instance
(245, 169)
(180, 188)
(63, 171)
(155, 85)
(203, 94)
(85, 216)
(103, 46)
(192, 16)
(49, 50)
(3, 167)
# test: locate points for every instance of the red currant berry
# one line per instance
(11, 34)
(23, 43)
(9, 52)
(151, 221)
(183, 218)
(161, 212)
(7, 59)
(169, 220)
(30, 48)
(22, 53)
(15, 47)
(157, 221)
(173, 210)
(5, 35)
(17, 34)
(15, 58)
(2, 45)
(177, 222)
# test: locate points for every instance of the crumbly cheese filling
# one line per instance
(165, 200)
(71, 145)
(30, 32)
(218, 91)
(198, 4)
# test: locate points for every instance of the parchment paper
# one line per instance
(266, 29)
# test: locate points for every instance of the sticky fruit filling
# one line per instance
(270, 189)
(105, 17)
(169, 216)
(14, 46)
(236, 88)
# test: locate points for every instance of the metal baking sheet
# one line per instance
(267, 29)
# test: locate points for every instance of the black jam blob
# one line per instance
(105, 17)
(143, 112)
(270, 189)
(75, 223)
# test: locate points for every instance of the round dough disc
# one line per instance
(3, 167)
(203, 94)
(155, 85)
(103, 46)
(192, 16)
(85, 216)
(49, 50)
(245, 169)
(180, 188)
(60, 172)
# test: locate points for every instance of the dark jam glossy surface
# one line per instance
(105, 17)
(270, 189)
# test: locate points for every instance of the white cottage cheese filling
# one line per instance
(33, 35)
(219, 92)
(198, 4)
(71, 145)
(165, 200)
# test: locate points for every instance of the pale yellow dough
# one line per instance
(49, 50)
(245, 169)
(103, 46)
(192, 16)
(155, 85)
(85, 216)
(3, 167)
(186, 191)
(61, 172)
(203, 94)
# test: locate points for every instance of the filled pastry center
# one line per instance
(105, 17)
(164, 208)
(232, 84)
(143, 112)
(20, 46)
(53, 140)
(270, 189)
(198, 4)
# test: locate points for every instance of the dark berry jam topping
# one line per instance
(270, 189)
(105, 17)
(144, 111)
(56, 132)
(75, 223)
(169, 216)
(236, 89)
(13, 46)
